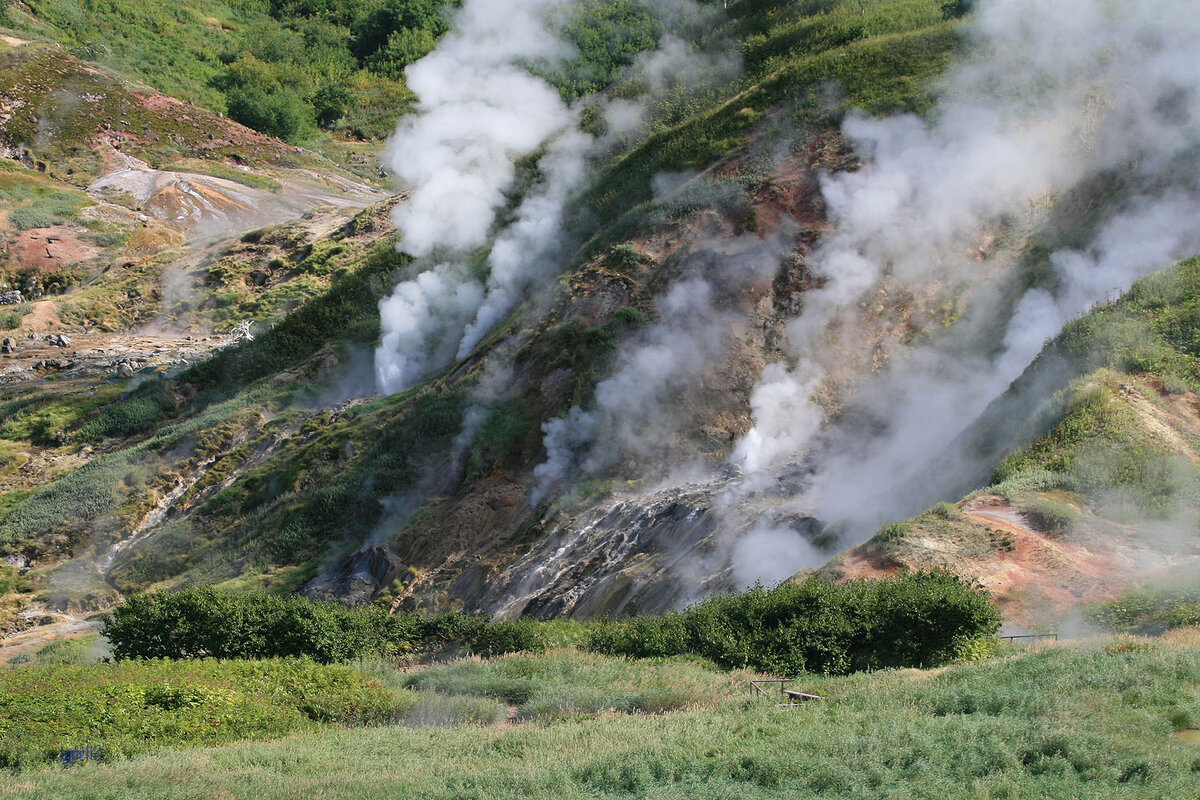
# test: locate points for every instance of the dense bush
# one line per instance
(200, 622)
(1149, 611)
(205, 622)
(911, 620)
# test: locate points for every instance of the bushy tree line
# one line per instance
(203, 622)
(915, 619)
(329, 64)
(340, 63)
(911, 620)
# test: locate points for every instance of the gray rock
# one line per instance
(9, 345)
(124, 370)
(358, 577)
(11, 298)
(16, 560)
(58, 340)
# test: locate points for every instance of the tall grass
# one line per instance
(1056, 724)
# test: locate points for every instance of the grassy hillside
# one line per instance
(1105, 719)
(267, 504)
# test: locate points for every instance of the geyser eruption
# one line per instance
(1048, 97)
(479, 111)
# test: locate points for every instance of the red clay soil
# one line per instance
(1041, 576)
(47, 251)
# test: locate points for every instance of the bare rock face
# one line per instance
(11, 298)
(126, 369)
(58, 340)
(359, 577)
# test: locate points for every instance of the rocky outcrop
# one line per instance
(356, 579)
(11, 298)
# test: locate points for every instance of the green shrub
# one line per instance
(947, 511)
(922, 618)
(509, 636)
(1146, 611)
(203, 622)
(1051, 516)
(893, 532)
(1175, 384)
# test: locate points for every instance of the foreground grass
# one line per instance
(570, 684)
(139, 706)
(1063, 722)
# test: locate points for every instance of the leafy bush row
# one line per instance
(201, 622)
(916, 619)
(923, 618)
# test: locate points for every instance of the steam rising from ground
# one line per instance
(480, 111)
(636, 409)
(1050, 95)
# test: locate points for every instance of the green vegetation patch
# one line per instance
(1150, 610)
(1059, 723)
(202, 622)
(1099, 448)
(570, 683)
(139, 706)
(922, 618)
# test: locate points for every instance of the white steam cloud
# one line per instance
(636, 415)
(479, 111)
(1050, 95)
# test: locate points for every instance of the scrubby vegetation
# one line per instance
(911, 620)
(1150, 610)
(291, 69)
(202, 622)
(817, 626)
(1097, 446)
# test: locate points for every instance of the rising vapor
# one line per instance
(479, 110)
(1048, 97)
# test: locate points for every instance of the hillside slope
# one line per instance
(587, 455)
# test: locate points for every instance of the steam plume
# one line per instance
(1050, 96)
(479, 111)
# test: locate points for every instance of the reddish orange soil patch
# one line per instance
(47, 251)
